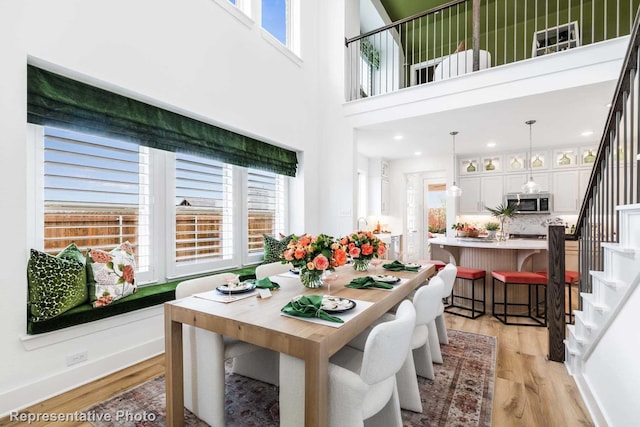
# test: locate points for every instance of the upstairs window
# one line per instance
(276, 19)
(96, 194)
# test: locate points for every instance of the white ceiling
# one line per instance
(561, 116)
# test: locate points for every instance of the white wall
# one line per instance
(192, 56)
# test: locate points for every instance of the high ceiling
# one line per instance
(399, 9)
(563, 116)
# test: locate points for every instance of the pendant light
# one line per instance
(454, 190)
(530, 187)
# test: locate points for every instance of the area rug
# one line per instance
(460, 395)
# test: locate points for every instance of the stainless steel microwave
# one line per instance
(530, 203)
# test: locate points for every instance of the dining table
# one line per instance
(259, 321)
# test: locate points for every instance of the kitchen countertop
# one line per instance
(533, 244)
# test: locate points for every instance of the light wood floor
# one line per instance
(529, 389)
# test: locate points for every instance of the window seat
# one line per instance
(146, 296)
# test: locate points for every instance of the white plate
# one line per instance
(384, 278)
(413, 265)
(237, 288)
(336, 304)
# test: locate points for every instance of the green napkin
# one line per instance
(309, 306)
(366, 283)
(398, 266)
(266, 283)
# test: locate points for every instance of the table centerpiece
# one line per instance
(362, 246)
(313, 255)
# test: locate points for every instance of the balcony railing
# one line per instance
(463, 36)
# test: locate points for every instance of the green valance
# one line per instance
(58, 101)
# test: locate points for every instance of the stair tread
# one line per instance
(616, 247)
(571, 350)
(600, 275)
(635, 206)
(587, 324)
(591, 300)
(573, 331)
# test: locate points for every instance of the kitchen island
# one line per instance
(488, 255)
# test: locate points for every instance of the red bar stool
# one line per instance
(570, 278)
(471, 274)
(519, 278)
(439, 265)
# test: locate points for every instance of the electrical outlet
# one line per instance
(76, 358)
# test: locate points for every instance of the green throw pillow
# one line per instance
(273, 248)
(56, 285)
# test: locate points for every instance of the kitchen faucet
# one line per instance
(365, 223)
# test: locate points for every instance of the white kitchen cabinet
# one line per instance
(379, 187)
(478, 192)
(566, 191)
(513, 183)
(585, 174)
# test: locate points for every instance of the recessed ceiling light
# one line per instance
(398, 137)
(587, 133)
(418, 153)
(491, 144)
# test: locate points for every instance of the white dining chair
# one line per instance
(271, 269)
(262, 364)
(438, 328)
(204, 355)
(362, 384)
(426, 303)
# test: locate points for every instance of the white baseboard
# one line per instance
(590, 401)
(46, 388)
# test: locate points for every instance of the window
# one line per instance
(243, 5)
(276, 19)
(207, 215)
(96, 194)
(204, 206)
(265, 208)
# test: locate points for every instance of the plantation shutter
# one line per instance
(55, 100)
(96, 194)
(265, 207)
(204, 201)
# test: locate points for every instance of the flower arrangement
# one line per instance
(313, 255)
(362, 246)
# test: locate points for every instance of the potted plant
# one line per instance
(491, 228)
(502, 212)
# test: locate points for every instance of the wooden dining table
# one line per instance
(259, 321)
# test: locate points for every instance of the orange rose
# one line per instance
(382, 249)
(340, 257)
(351, 245)
(304, 240)
(321, 262)
(310, 266)
(288, 254)
(367, 249)
(344, 241)
(354, 252)
(299, 253)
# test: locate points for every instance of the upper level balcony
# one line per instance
(464, 36)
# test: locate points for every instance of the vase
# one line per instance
(360, 264)
(311, 278)
(491, 234)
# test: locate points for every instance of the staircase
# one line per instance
(603, 347)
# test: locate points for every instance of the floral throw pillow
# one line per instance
(273, 248)
(110, 275)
